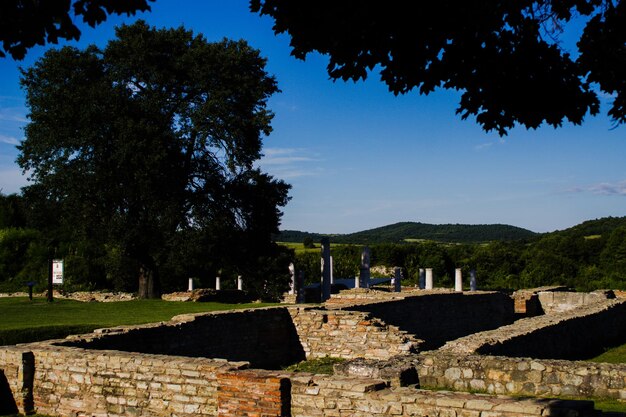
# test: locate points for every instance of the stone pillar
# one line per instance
(458, 280)
(190, 285)
(429, 279)
(364, 270)
(473, 283)
(240, 283)
(292, 279)
(397, 281)
(325, 249)
(300, 287)
(332, 278)
(357, 282)
(218, 285)
(422, 278)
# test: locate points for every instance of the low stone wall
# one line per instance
(526, 300)
(15, 381)
(437, 317)
(265, 337)
(80, 382)
(349, 334)
(558, 302)
(575, 334)
(317, 395)
(522, 376)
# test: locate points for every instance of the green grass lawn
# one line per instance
(613, 355)
(27, 321)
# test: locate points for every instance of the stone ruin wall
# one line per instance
(574, 334)
(437, 317)
(73, 381)
(349, 334)
(521, 376)
(562, 301)
(79, 383)
(265, 337)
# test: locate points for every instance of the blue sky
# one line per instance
(359, 157)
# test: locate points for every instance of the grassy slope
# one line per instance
(24, 320)
(614, 355)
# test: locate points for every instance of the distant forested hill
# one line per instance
(401, 232)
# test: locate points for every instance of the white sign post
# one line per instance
(57, 271)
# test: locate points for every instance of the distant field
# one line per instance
(299, 247)
(28, 321)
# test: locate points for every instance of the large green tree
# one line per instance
(149, 144)
(505, 57)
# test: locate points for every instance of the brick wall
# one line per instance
(254, 393)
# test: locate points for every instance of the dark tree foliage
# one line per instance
(26, 23)
(12, 211)
(505, 57)
(142, 154)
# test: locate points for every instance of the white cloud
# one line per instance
(603, 188)
(289, 162)
(487, 145)
(9, 140)
(607, 188)
(13, 114)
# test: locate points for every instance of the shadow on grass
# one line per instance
(37, 334)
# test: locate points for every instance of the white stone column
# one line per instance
(357, 282)
(190, 286)
(473, 283)
(240, 283)
(397, 283)
(325, 266)
(332, 266)
(292, 275)
(458, 280)
(429, 279)
(218, 285)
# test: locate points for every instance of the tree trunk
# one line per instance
(148, 283)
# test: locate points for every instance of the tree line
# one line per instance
(586, 257)
(407, 231)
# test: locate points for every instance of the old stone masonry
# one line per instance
(409, 353)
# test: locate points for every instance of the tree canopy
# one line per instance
(505, 57)
(26, 23)
(143, 154)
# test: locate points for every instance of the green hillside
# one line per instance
(407, 231)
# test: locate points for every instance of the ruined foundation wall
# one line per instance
(15, 380)
(318, 395)
(575, 334)
(558, 302)
(522, 376)
(437, 317)
(264, 337)
(349, 334)
(79, 382)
